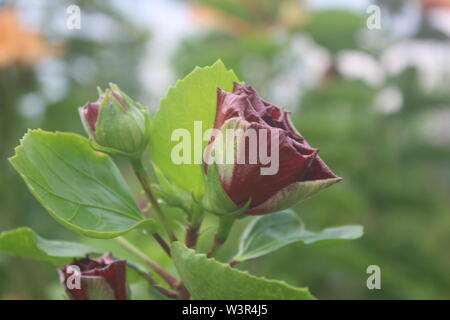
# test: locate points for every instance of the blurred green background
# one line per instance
(376, 101)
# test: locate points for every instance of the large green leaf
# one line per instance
(192, 99)
(80, 188)
(24, 242)
(209, 279)
(270, 232)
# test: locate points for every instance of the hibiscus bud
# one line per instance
(116, 123)
(102, 278)
(249, 181)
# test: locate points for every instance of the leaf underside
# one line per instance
(80, 188)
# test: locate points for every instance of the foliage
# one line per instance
(396, 178)
(83, 189)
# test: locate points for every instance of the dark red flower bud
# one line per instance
(299, 171)
(102, 278)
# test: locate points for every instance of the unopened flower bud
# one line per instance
(247, 183)
(102, 278)
(116, 123)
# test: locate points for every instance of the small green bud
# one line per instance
(116, 124)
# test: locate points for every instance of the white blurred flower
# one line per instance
(389, 100)
(430, 57)
(436, 127)
(360, 65)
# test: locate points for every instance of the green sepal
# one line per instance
(121, 130)
(216, 200)
(170, 193)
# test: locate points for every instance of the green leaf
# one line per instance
(173, 195)
(192, 99)
(209, 279)
(270, 232)
(80, 188)
(24, 242)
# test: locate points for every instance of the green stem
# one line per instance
(162, 243)
(144, 179)
(167, 292)
(128, 246)
(225, 224)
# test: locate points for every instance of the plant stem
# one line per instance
(170, 279)
(183, 293)
(217, 243)
(144, 179)
(195, 219)
(191, 236)
(162, 243)
(167, 292)
(225, 224)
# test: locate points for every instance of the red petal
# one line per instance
(90, 113)
(247, 182)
